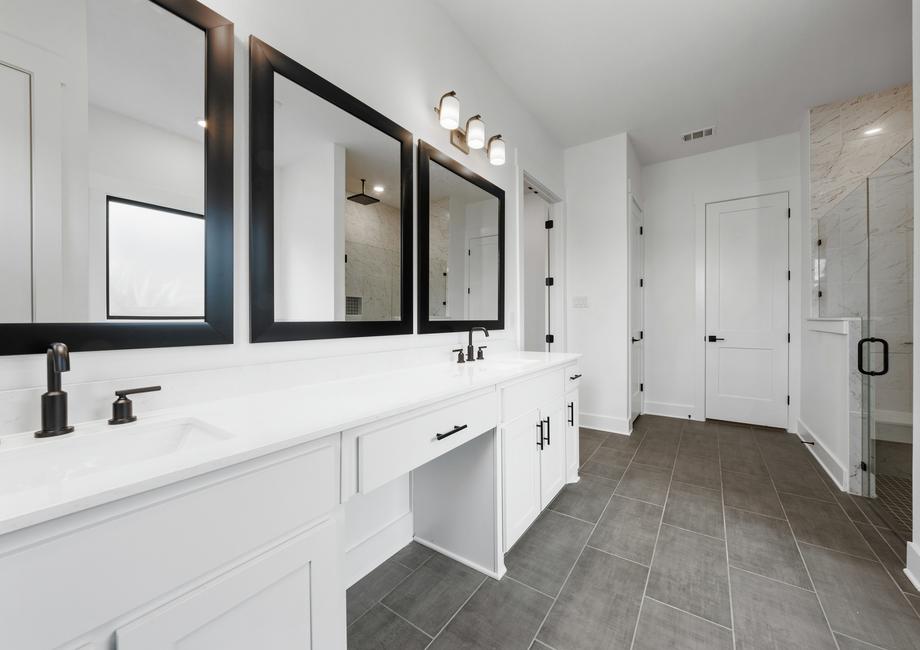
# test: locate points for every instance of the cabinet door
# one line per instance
(289, 597)
(571, 436)
(521, 487)
(552, 456)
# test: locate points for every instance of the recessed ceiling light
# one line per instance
(877, 129)
(378, 188)
(203, 123)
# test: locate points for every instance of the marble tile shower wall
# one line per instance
(372, 259)
(438, 246)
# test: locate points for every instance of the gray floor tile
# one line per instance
(690, 573)
(695, 508)
(598, 606)
(742, 459)
(434, 592)
(897, 543)
(645, 483)
(646, 422)
(889, 559)
(800, 479)
(703, 444)
(670, 436)
(771, 615)
(588, 442)
(861, 600)
(824, 524)
(705, 426)
(585, 499)
(381, 629)
(915, 603)
(764, 545)
(846, 643)
(502, 614)
(698, 471)
(413, 555)
(544, 555)
(621, 442)
(866, 506)
(656, 453)
(608, 463)
(628, 529)
(370, 589)
(662, 626)
(849, 506)
(753, 493)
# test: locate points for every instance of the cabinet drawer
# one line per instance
(387, 453)
(572, 376)
(531, 393)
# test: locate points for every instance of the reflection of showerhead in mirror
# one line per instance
(362, 198)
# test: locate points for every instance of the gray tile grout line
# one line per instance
(651, 561)
(380, 600)
(524, 584)
(565, 514)
(696, 532)
(847, 636)
(600, 550)
(696, 616)
(754, 512)
(728, 563)
(771, 579)
(799, 549)
(459, 609)
(398, 615)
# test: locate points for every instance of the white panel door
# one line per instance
(636, 327)
(552, 455)
(483, 278)
(521, 486)
(747, 310)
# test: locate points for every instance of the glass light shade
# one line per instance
(475, 133)
(497, 151)
(449, 112)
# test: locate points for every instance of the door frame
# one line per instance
(799, 231)
(634, 199)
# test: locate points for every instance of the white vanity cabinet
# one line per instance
(538, 448)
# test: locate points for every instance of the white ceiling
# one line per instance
(658, 68)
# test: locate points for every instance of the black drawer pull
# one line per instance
(546, 420)
(574, 377)
(572, 413)
(540, 440)
(456, 428)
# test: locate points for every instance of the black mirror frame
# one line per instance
(427, 154)
(264, 61)
(217, 327)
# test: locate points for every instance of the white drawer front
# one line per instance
(572, 376)
(531, 393)
(389, 452)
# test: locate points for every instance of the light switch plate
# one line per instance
(580, 302)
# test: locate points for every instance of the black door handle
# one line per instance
(574, 377)
(712, 338)
(860, 359)
(547, 430)
(540, 441)
(457, 428)
(572, 413)
(634, 339)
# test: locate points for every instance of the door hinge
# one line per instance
(788, 337)
(549, 282)
(788, 213)
(820, 294)
(863, 466)
(641, 335)
(788, 400)
(641, 282)
(467, 290)
(641, 388)
(346, 258)
(820, 241)
(641, 230)
(550, 338)
(789, 275)
(548, 224)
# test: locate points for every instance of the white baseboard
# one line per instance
(462, 560)
(913, 564)
(368, 554)
(604, 423)
(831, 464)
(667, 409)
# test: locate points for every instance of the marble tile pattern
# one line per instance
(438, 244)
(372, 247)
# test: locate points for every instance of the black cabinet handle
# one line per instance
(540, 440)
(712, 338)
(574, 377)
(457, 428)
(572, 413)
(859, 356)
(546, 420)
(634, 339)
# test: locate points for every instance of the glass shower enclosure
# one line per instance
(864, 267)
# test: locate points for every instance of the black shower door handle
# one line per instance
(860, 356)
(712, 338)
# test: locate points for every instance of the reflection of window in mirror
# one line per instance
(155, 259)
(106, 110)
(462, 248)
(337, 212)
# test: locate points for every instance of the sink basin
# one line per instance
(502, 365)
(97, 450)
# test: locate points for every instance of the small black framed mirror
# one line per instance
(461, 246)
(118, 175)
(330, 208)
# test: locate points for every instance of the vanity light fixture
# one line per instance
(475, 132)
(203, 124)
(448, 111)
(496, 150)
(873, 131)
(378, 188)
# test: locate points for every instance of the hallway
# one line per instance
(635, 556)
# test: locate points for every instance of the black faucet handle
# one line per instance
(133, 391)
(479, 355)
(460, 358)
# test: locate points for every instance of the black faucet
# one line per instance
(54, 402)
(470, 354)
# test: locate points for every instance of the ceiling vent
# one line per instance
(696, 135)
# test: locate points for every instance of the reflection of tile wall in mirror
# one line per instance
(132, 109)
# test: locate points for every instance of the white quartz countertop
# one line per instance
(41, 480)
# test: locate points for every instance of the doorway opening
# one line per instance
(541, 269)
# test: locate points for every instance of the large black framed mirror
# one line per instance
(330, 208)
(461, 246)
(117, 151)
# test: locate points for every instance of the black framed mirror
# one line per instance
(330, 208)
(118, 183)
(461, 246)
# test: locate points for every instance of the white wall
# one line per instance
(675, 192)
(533, 269)
(597, 269)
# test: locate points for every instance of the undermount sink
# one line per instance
(26, 464)
(502, 365)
